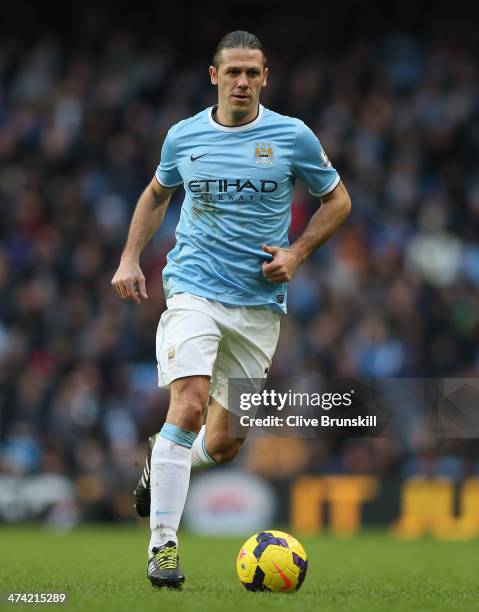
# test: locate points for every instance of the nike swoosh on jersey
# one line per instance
(194, 158)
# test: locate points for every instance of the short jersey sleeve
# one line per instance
(167, 173)
(310, 163)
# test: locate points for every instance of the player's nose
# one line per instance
(243, 82)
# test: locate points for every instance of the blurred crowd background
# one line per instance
(86, 98)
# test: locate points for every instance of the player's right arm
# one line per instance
(129, 280)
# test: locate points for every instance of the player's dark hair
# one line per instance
(237, 40)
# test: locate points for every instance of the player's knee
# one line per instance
(190, 413)
(187, 406)
(222, 450)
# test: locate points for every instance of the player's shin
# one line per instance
(170, 477)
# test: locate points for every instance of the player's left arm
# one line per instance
(335, 207)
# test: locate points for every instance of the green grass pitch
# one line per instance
(103, 568)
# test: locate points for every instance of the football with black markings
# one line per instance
(272, 561)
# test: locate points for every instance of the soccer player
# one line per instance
(225, 280)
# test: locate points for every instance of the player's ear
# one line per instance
(265, 77)
(213, 75)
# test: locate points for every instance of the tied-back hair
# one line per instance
(239, 39)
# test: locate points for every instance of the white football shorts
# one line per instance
(199, 336)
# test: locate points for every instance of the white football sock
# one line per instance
(199, 454)
(170, 478)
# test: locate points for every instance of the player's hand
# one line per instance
(282, 267)
(129, 281)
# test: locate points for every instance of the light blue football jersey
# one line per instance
(238, 191)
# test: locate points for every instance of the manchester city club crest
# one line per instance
(263, 153)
